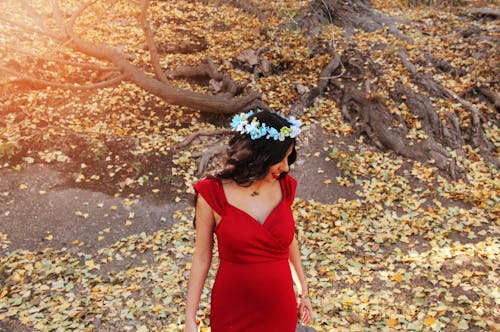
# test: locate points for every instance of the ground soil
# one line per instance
(41, 206)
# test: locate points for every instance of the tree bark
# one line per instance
(365, 109)
(158, 86)
(359, 103)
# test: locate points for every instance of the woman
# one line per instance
(248, 207)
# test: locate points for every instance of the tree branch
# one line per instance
(38, 20)
(192, 137)
(146, 27)
(58, 16)
(64, 62)
(30, 29)
(40, 82)
(325, 75)
(480, 12)
(208, 69)
(164, 90)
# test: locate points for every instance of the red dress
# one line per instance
(253, 289)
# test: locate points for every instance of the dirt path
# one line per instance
(39, 210)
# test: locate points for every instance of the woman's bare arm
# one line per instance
(305, 308)
(202, 259)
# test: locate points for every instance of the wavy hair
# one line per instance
(249, 160)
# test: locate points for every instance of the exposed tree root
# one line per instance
(445, 130)
(349, 15)
(230, 100)
(489, 94)
(188, 140)
(366, 111)
(484, 12)
(146, 27)
(386, 130)
(39, 83)
(443, 65)
(349, 74)
(474, 134)
(368, 115)
(208, 154)
(328, 73)
(219, 82)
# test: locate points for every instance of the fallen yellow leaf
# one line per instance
(391, 322)
(397, 277)
(347, 302)
(429, 321)
(157, 308)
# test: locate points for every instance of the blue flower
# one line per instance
(236, 121)
(272, 133)
(263, 130)
(257, 130)
(295, 122)
(252, 129)
(295, 126)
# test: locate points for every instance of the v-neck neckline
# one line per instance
(248, 214)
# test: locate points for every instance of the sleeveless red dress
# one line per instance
(253, 289)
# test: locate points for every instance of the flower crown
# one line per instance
(257, 130)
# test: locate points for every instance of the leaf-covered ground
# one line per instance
(408, 249)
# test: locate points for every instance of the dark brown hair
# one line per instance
(248, 160)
